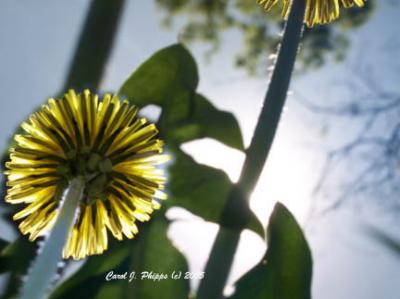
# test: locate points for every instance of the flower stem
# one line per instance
(95, 44)
(45, 265)
(219, 263)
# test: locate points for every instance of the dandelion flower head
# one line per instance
(317, 11)
(105, 143)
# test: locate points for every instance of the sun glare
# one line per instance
(286, 177)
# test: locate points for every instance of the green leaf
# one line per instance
(150, 251)
(3, 244)
(285, 271)
(166, 73)
(93, 271)
(256, 226)
(15, 258)
(169, 79)
(110, 290)
(157, 254)
(202, 190)
(206, 120)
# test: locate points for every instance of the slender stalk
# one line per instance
(45, 265)
(95, 44)
(219, 263)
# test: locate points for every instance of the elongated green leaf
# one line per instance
(285, 272)
(202, 190)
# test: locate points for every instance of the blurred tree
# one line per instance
(369, 107)
(375, 147)
(206, 20)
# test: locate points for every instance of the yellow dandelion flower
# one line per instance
(317, 11)
(103, 141)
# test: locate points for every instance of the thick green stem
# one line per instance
(224, 247)
(45, 265)
(95, 44)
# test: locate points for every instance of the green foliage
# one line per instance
(14, 256)
(94, 268)
(203, 190)
(150, 251)
(285, 271)
(186, 116)
(169, 79)
(3, 244)
(91, 276)
(207, 20)
(207, 121)
(158, 255)
(15, 259)
(157, 81)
